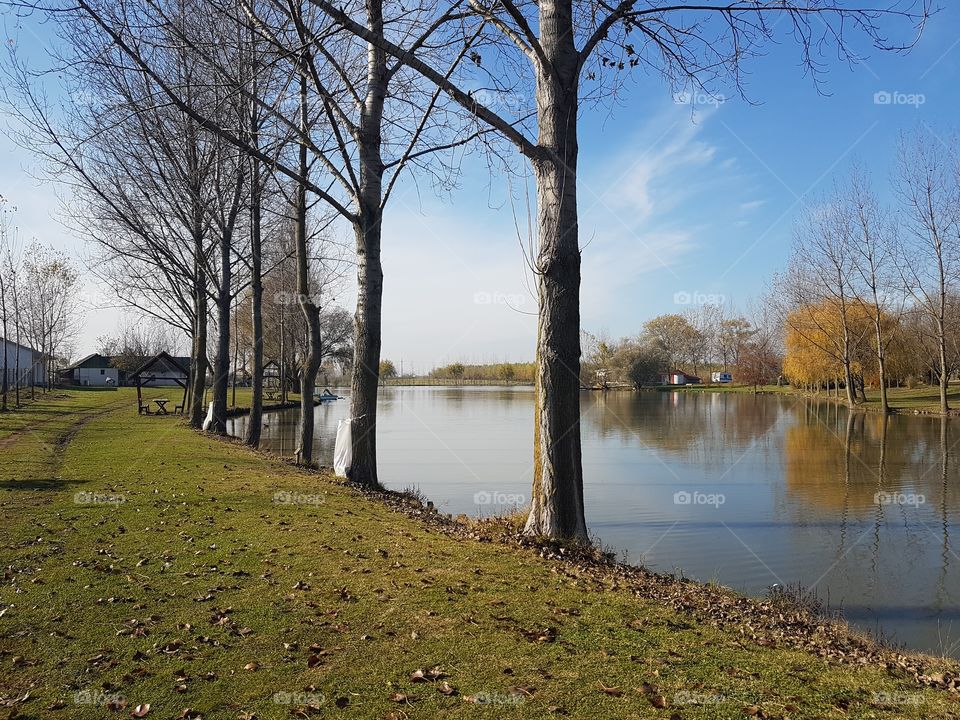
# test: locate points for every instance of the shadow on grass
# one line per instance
(51, 484)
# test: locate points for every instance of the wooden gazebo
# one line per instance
(271, 381)
(164, 369)
(271, 374)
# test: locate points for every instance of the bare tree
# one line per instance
(49, 298)
(873, 254)
(928, 185)
(819, 285)
(7, 278)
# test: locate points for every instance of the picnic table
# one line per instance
(161, 405)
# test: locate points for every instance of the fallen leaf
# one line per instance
(612, 691)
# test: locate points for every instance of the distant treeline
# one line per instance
(499, 372)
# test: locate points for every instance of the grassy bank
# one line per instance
(148, 564)
(924, 399)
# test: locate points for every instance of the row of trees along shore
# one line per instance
(871, 295)
(188, 125)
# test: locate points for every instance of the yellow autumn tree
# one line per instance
(815, 345)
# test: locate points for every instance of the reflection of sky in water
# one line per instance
(773, 490)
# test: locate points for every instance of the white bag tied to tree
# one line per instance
(343, 448)
(209, 420)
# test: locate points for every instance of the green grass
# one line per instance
(192, 584)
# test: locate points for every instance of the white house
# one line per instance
(32, 369)
(94, 370)
(679, 377)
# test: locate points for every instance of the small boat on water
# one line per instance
(326, 396)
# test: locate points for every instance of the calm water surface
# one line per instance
(749, 491)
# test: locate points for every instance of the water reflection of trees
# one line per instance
(688, 423)
(841, 460)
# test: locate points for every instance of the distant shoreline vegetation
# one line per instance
(462, 374)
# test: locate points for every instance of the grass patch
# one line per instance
(149, 564)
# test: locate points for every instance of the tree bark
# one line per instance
(944, 372)
(255, 420)
(221, 371)
(365, 374)
(6, 340)
(198, 353)
(557, 498)
(311, 311)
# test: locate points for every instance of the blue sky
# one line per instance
(676, 202)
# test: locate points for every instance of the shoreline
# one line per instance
(869, 407)
(786, 616)
(784, 619)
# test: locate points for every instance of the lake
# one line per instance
(749, 491)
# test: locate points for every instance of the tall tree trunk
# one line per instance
(221, 362)
(198, 352)
(236, 355)
(944, 372)
(256, 303)
(365, 375)
(6, 341)
(311, 311)
(557, 499)
(16, 323)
